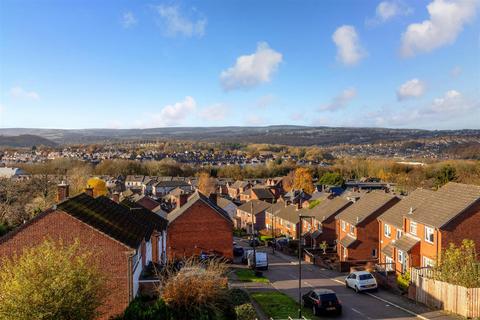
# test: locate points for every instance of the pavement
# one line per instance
(283, 275)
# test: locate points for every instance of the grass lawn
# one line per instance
(265, 238)
(249, 276)
(278, 305)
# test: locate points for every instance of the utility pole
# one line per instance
(273, 230)
(300, 266)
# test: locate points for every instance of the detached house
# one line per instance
(432, 222)
(122, 240)
(199, 225)
(357, 226)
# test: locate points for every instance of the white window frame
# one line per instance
(429, 231)
(389, 261)
(344, 225)
(387, 230)
(399, 233)
(427, 262)
(401, 256)
(352, 230)
(413, 228)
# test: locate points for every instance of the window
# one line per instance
(429, 234)
(344, 226)
(400, 256)
(399, 234)
(387, 231)
(374, 253)
(413, 228)
(427, 262)
(352, 230)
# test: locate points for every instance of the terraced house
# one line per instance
(431, 220)
(357, 226)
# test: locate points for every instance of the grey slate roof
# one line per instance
(347, 241)
(289, 213)
(445, 204)
(262, 193)
(388, 250)
(367, 205)
(394, 215)
(258, 206)
(197, 196)
(406, 242)
(327, 208)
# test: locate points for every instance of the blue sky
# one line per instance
(139, 64)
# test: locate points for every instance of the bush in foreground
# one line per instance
(245, 312)
(51, 281)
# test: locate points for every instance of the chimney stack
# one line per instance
(181, 199)
(213, 197)
(62, 191)
(89, 191)
(116, 197)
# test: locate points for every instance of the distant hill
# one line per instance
(25, 140)
(282, 134)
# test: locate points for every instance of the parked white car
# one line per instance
(361, 281)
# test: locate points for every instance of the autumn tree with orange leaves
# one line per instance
(302, 180)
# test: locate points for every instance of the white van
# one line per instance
(262, 260)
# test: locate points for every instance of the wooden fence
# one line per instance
(446, 296)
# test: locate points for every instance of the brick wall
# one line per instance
(109, 254)
(199, 228)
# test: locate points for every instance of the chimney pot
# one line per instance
(62, 191)
(89, 191)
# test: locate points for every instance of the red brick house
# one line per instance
(357, 226)
(391, 230)
(245, 217)
(238, 187)
(123, 241)
(324, 223)
(258, 193)
(199, 225)
(431, 223)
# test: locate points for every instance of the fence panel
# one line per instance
(442, 295)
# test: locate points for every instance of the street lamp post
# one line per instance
(300, 223)
(253, 239)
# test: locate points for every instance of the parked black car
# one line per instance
(238, 251)
(322, 301)
(257, 242)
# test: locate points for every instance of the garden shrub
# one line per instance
(246, 311)
(403, 281)
(238, 297)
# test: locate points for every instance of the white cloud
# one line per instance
(128, 20)
(177, 23)
(452, 101)
(216, 112)
(20, 93)
(173, 114)
(387, 10)
(340, 101)
(252, 70)
(349, 50)
(446, 21)
(411, 89)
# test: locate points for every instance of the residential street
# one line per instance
(283, 275)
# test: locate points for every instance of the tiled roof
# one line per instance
(197, 196)
(135, 178)
(108, 217)
(327, 208)
(148, 203)
(240, 184)
(256, 205)
(263, 193)
(145, 215)
(347, 241)
(222, 202)
(445, 204)
(405, 243)
(394, 215)
(172, 183)
(289, 213)
(367, 205)
(388, 250)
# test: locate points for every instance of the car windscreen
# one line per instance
(365, 276)
(328, 297)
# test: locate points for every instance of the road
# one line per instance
(283, 275)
